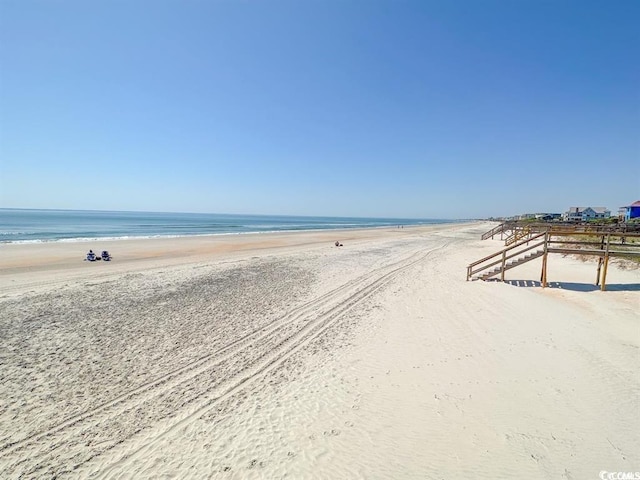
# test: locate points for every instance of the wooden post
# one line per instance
(603, 287)
(543, 278)
(504, 259)
(599, 262)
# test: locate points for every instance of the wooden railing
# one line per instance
(493, 231)
(479, 266)
(627, 245)
(518, 234)
(563, 227)
(498, 229)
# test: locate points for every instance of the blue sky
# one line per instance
(423, 109)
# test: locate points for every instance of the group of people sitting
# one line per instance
(92, 257)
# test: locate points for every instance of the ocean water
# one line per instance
(29, 226)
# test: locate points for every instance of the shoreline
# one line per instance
(20, 263)
(167, 236)
(23, 225)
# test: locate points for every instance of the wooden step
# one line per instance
(509, 265)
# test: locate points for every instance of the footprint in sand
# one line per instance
(254, 463)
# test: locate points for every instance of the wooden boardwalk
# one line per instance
(576, 239)
(508, 230)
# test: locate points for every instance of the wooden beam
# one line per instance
(603, 287)
(543, 273)
(599, 262)
(598, 244)
(544, 260)
(612, 253)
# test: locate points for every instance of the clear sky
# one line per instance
(422, 109)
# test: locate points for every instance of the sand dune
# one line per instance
(282, 356)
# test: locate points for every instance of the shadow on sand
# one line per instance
(577, 287)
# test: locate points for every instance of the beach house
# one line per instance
(584, 214)
(632, 211)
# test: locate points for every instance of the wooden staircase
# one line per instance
(509, 265)
(543, 239)
(517, 234)
(500, 229)
(509, 257)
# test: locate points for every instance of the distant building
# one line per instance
(543, 217)
(621, 213)
(547, 217)
(584, 214)
(631, 211)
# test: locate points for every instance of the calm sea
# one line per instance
(24, 226)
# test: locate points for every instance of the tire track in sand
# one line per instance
(191, 390)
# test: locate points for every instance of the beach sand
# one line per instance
(283, 356)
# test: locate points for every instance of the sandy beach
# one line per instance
(281, 355)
